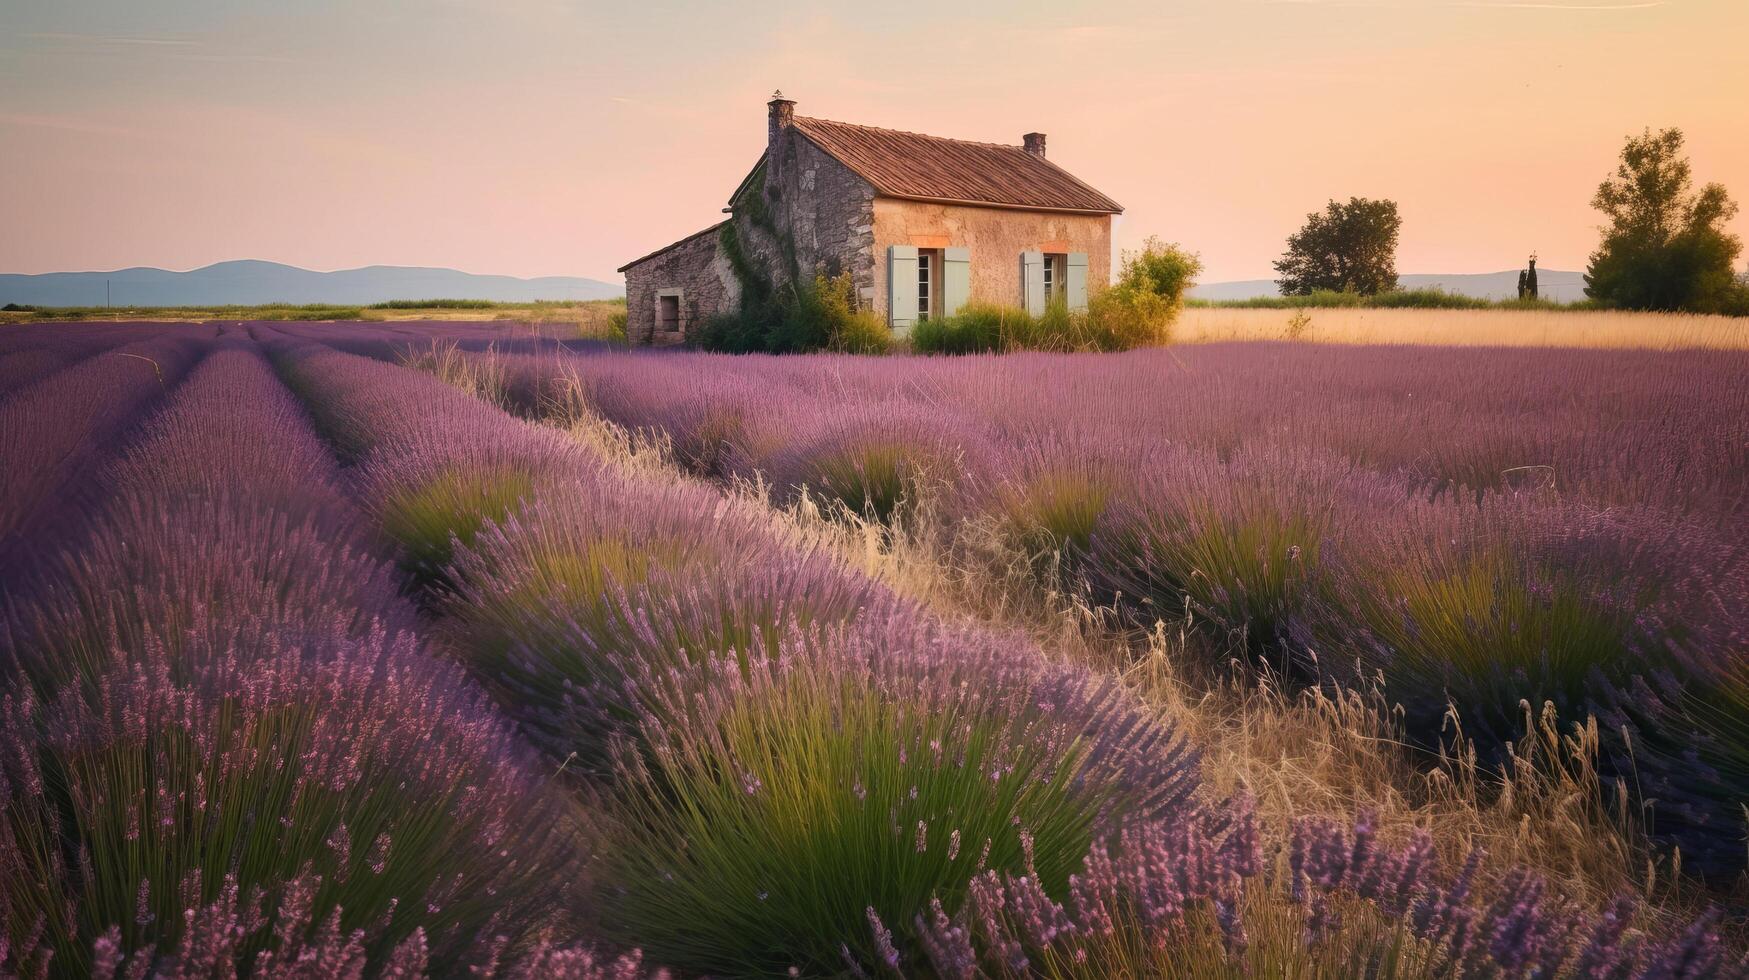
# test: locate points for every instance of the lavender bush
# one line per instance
(564, 603)
(434, 465)
(1049, 491)
(1476, 925)
(1530, 598)
(437, 488)
(782, 803)
(135, 802)
(872, 458)
(1139, 896)
(1192, 899)
(1241, 543)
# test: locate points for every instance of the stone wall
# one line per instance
(822, 213)
(995, 236)
(698, 269)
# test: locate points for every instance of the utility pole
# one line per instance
(106, 303)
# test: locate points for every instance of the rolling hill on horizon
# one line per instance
(251, 282)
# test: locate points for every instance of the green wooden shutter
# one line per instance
(956, 279)
(901, 286)
(1032, 282)
(1075, 281)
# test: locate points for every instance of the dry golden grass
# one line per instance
(579, 320)
(1510, 328)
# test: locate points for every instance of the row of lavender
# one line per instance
(796, 771)
(387, 341)
(221, 747)
(53, 426)
(1482, 529)
(32, 353)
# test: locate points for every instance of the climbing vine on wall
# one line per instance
(757, 285)
(796, 314)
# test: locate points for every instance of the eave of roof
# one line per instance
(758, 165)
(671, 246)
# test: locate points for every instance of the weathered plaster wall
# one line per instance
(996, 237)
(699, 269)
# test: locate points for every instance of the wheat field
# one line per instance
(1486, 328)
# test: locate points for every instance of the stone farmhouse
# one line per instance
(922, 224)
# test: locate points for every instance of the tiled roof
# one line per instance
(933, 168)
(671, 246)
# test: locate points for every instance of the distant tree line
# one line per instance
(1665, 246)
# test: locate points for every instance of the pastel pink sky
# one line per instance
(552, 137)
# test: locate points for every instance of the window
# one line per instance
(1051, 274)
(668, 311)
(923, 291)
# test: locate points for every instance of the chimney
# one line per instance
(783, 112)
(781, 116)
(1035, 144)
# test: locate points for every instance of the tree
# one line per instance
(1666, 247)
(1348, 248)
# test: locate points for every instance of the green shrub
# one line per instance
(336, 313)
(741, 332)
(1124, 320)
(1141, 306)
(264, 311)
(616, 326)
(1160, 269)
(798, 318)
(863, 332)
(831, 303)
(1137, 311)
(987, 328)
(976, 328)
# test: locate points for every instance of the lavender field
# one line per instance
(457, 649)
